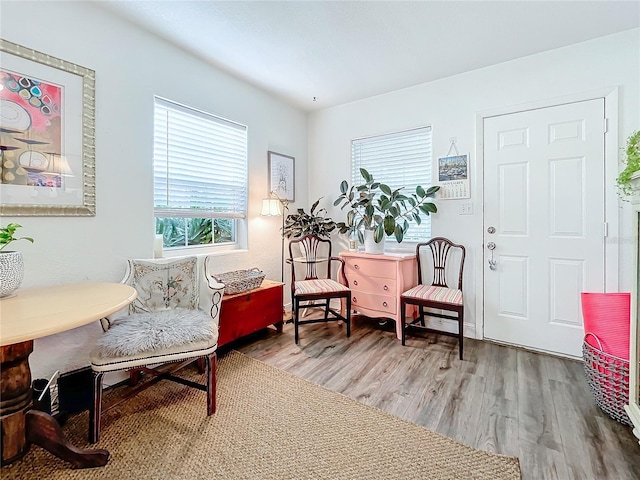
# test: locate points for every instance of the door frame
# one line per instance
(611, 267)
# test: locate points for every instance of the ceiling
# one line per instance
(339, 52)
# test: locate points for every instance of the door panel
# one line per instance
(544, 195)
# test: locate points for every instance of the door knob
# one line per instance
(491, 230)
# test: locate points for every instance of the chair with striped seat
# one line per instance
(311, 284)
(447, 260)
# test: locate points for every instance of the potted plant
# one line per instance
(316, 222)
(376, 211)
(11, 262)
(632, 160)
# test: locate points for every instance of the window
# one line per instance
(401, 159)
(199, 176)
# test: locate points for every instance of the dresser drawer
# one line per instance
(369, 268)
(381, 303)
(378, 286)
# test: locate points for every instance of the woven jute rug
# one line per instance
(269, 425)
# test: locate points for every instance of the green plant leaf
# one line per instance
(417, 218)
(366, 175)
(369, 210)
(360, 236)
(338, 200)
(385, 188)
(344, 186)
(378, 233)
(432, 190)
(399, 233)
(7, 235)
(420, 191)
(389, 224)
(632, 160)
(431, 207)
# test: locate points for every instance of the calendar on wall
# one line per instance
(453, 177)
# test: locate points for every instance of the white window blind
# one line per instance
(199, 164)
(401, 159)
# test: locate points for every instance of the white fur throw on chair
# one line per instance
(143, 332)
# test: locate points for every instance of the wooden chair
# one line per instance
(437, 294)
(316, 288)
(173, 321)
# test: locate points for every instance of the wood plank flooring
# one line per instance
(500, 399)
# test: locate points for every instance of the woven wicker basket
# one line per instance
(240, 281)
(608, 379)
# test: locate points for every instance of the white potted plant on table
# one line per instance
(11, 262)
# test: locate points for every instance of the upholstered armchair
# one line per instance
(173, 321)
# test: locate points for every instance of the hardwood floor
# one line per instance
(500, 399)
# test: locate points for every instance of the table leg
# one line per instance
(44, 431)
(20, 426)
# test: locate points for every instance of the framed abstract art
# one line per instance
(47, 135)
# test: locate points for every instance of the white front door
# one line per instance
(544, 203)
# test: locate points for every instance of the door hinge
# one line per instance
(606, 229)
(605, 124)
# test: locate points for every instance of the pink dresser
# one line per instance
(377, 281)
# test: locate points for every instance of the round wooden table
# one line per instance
(35, 313)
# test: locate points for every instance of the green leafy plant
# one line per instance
(7, 235)
(316, 222)
(197, 231)
(374, 206)
(632, 154)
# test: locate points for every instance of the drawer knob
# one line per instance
(355, 300)
(356, 266)
(385, 288)
(384, 304)
(355, 282)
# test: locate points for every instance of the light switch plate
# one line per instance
(466, 208)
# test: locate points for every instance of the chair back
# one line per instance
(167, 283)
(446, 260)
(313, 253)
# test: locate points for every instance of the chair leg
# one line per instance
(460, 331)
(348, 316)
(326, 310)
(211, 366)
(296, 311)
(201, 364)
(134, 377)
(403, 311)
(96, 408)
(422, 316)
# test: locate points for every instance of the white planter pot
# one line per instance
(370, 246)
(11, 272)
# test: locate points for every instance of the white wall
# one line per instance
(131, 67)
(451, 105)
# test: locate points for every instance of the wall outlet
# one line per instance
(466, 208)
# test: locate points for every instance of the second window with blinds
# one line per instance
(199, 176)
(400, 159)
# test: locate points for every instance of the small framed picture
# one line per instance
(282, 176)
